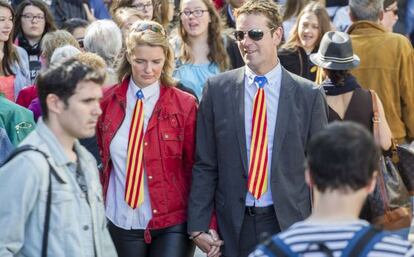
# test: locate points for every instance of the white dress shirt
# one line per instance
(117, 210)
(272, 93)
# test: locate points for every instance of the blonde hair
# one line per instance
(217, 51)
(324, 22)
(55, 39)
(121, 14)
(147, 37)
(93, 60)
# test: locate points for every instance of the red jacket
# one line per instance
(169, 146)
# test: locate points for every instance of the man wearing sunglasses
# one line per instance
(253, 126)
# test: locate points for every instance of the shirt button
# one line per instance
(154, 211)
(166, 136)
(146, 143)
(83, 195)
(86, 227)
(149, 177)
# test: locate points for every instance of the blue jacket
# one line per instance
(21, 71)
(75, 217)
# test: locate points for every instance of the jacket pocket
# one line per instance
(61, 211)
(172, 139)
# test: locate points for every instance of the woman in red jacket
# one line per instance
(146, 136)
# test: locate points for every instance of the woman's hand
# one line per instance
(209, 243)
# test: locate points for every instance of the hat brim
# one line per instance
(317, 60)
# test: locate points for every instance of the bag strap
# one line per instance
(279, 248)
(25, 148)
(362, 240)
(375, 131)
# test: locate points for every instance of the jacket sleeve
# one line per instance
(407, 88)
(19, 189)
(204, 182)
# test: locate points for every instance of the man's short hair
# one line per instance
(265, 7)
(62, 79)
(343, 156)
(366, 9)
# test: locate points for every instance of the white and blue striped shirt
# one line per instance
(303, 238)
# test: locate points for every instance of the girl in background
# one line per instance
(312, 23)
(33, 21)
(14, 68)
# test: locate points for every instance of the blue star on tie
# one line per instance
(260, 81)
(139, 94)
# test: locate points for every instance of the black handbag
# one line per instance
(390, 202)
(405, 164)
(52, 171)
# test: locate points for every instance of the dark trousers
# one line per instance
(167, 242)
(258, 224)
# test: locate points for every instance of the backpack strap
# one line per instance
(52, 171)
(362, 242)
(279, 248)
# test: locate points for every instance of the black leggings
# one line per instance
(167, 242)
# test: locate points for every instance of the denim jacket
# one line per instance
(23, 192)
(21, 71)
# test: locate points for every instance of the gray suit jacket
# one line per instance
(220, 172)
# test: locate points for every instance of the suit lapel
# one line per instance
(238, 110)
(283, 114)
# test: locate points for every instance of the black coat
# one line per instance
(298, 62)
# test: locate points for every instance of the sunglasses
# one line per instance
(254, 34)
(151, 27)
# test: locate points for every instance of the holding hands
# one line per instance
(209, 243)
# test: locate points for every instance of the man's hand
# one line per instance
(209, 243)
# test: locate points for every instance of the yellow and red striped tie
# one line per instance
(258, 166)
(134, 186)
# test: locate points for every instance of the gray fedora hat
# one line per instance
(335, 52)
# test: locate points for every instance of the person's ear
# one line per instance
(277, 35)
(381, 15)
(308, 178)
(54, 104)
(351, 17)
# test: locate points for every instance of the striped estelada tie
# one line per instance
(134, 185)
(258, 166)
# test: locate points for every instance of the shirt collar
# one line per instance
(148, 91)
(55, 147)
(271, 76)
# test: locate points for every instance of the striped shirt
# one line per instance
(303, 238)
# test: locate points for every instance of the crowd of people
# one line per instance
(145, 128)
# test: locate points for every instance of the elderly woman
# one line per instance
(104, 38)
(146, 136)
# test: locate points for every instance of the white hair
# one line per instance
(62, 53)
(104, 38)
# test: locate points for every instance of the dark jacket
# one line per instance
(297, 61)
